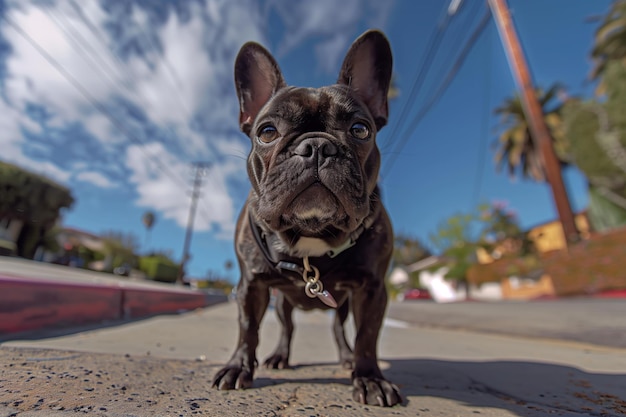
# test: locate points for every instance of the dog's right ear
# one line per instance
(257, 79)
(367, 70)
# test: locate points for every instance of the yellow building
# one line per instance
(549, 236)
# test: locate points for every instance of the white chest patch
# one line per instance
(311, 246)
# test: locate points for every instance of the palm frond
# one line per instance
(610, 38)
(516, 146)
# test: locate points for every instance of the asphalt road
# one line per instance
(162, 366)
(586, 320)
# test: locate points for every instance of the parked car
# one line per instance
(415, 294)
(122, 270)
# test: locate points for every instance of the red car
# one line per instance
(415, 294)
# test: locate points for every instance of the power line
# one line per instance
(201, 170)
(417, 118)
(427, 59)
(92, 100)
(458, 34)
(171, 72)
(98, 34)
(169, 69)
(484, 129)
(86, 47)
(81, 45)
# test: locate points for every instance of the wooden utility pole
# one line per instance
(534, 115)
(201, 168)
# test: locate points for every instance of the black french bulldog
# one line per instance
(314, 227)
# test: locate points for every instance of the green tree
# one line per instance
(597, 135)
(499, 223)
(456, 239)
(516, 147)
(34, 200)
(120, 249)
(408, 250)
(459, 236)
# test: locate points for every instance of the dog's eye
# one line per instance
(360, 131)
(268, 133)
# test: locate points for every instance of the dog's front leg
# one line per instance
(369, 384)
(279, 359)
(252, 300)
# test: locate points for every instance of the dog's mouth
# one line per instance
(314, 211)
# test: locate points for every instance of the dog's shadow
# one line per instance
(523, 388)
(303, 373)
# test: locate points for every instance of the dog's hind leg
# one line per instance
(346, 358)
(280, 358)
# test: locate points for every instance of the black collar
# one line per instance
(290, 266)
(261, 242)
(293, 265)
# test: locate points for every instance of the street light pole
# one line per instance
(534, 114)
(201, 168)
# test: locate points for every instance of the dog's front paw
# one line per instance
(375, 391)
(277, 361)
(232, 377)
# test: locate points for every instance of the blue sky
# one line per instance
(133, 92)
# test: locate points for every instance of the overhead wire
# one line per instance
(100, 37)
(84, 45)
(80, 44)
(484, 128)
(118, 66)
(433, 42)
(458, 33)
(443, 86)
(94, 59)
(90, 98)
(176, 85)
(172, 75)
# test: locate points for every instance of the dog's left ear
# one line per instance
(367, 70)
(257, 79)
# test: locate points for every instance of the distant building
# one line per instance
(549, 236)
(545, 237)
(73, 237)
(522, 277)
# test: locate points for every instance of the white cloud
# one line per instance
(165, 189)
(12, 142)
(183, 80)
(95, 178)
(175, 74)
(321, 19)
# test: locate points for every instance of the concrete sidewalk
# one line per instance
(163, 366)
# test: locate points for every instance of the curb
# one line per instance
(28, 304)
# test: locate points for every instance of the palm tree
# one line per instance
(148, 220)
(610, 38)
(517, 149)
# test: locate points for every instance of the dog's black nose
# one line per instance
(316, 147)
